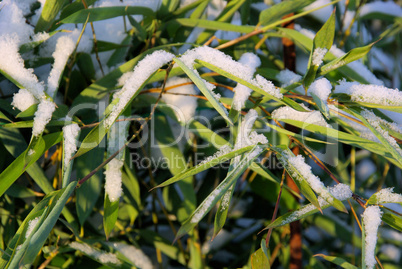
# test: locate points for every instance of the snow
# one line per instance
(204, 207)
(142, 71)
(23, 100)
(358, 67)
(42, 116)
(113, 179)
(318, 56)
(389, 8)
(124, 78)
(226, 149)
(117, 138)
(299, 164)
(340, 191)
(64, 47)
(13, 64)
(267, 86)
(313, 117)
(103, 257)
(321, 88)
(371, 220)
(31, 226)
(12, 22)
(219, 59)
(375, 94)
(374, 121)
(242, 92)
(183, 106)
(135, 255)
(387, 196)
(287, 77)
(70, 134)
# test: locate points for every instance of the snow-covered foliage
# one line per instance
(371, 220)
(103, 257)
(312, 117)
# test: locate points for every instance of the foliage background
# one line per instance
(149, 220)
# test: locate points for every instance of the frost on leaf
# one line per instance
(371, 220)
(318, 56)
(321, 88)
(103, 257)
(142, 71)
(313, 117)
(42, 116)
(23, 100)
(386, 195)
(374, 94)
(242, 92)
(70, 134)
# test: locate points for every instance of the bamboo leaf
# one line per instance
(349, 57)
(338, 261)
(24, 160)
(205, 165)
(110, 215)
(276, 12)
(49, 13)
(104, 13)
(203, 88)
(322, 41)
(393, 220)
(223, 187)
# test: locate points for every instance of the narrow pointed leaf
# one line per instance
(349, 57)
(338, 261)
(205, 165)
(207, 93)
(214, 196)
(110, 215)
(104, 13)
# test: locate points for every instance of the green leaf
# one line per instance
(363, 246)
(216, 195)
(110, 215)
(343, 137)
(104, 13)
(48, 15)
(20, 234)
(392, 220)
(276, 12)
(211, 25)
(39, 238)
(259, 260)
(301, 182)
(165, 246)
(349, 57)
(29, 112)
(306, 43)
(14, 142)
(322, 40)
(207, 93)
(321, 104)
(88, 193)
(338, 261)
(203, 166)
(177, 164)
(24, 160)
(223, 210)
(391, 148)
(298, 214)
